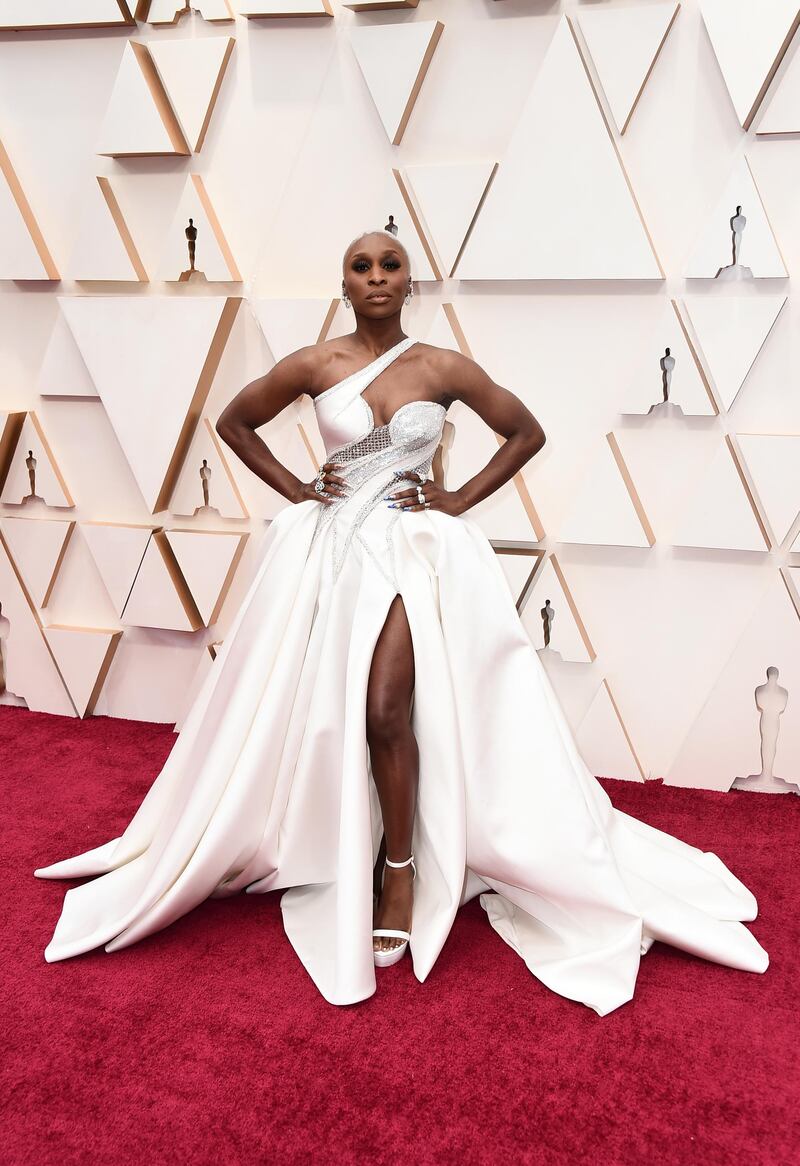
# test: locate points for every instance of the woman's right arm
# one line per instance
(256, 405)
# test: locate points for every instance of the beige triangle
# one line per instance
(410, 47)
(603, 741)
(48, 483)
(139, 120)
(378, 5)
(117, 550)
(624, 44)
(63, 372)
(169, 377)
(749, 42)
(688, 387)
(208, 562)
(30, 14)
(449, 198)
(23, 251)
(773, 461)
(568, 635)
(31, 673)
(651, 451)
(723, 742)
(719, 513)
(84, 656)
(156, 599)
(782, 112)
(291, 324)
(568, 227)
(758, 250)
(192, 73)
(104, 248)
(606, 509)
(284, 8)
(731, 331)
(213, 255)
(206, 461)
(37, 546)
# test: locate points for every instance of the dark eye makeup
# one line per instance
(357, 266)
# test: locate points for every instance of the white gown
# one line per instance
(268, 784)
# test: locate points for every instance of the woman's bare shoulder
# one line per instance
(321, 363)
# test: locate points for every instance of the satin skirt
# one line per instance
(269, 785)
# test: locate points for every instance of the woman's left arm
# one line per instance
(504, 413)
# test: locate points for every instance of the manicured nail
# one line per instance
(388, 497)
(393, 506)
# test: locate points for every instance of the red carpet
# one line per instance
(208, 1043)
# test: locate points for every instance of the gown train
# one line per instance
(268, 784)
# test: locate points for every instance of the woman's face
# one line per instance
(376, 276)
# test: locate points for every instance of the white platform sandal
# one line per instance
(385, 959)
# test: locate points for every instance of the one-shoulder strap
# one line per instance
(364, 376)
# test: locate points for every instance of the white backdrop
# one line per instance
(665, 546)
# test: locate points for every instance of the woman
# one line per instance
(377, 680)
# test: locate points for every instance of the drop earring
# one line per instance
(409, 294)
(345, 297)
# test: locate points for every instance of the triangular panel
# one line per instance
(23, 251)
(731, 331)
(758, 249)
(568, 227)
(38, 546)
(104, 248)
(624, 44)
(139, 120)
(172, 347)
(192, 73)
(84, 657)
(449, 198)
(410, 48)
(749, 41)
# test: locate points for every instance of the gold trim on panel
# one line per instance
(381, 5)
(613, 141)
(695, 354)
(216, 227)
(288, 15)
(35, 613)
(634, 754)
(415, 88)
(242, 536)
(178, 580)
(115, 635)
(71, 525)
(474, 218)
(125, 18)
(576, 615)
(625, 474)
(740, 462)
(122, 228)
(8, 443)
(193, 413)
(406, 196)
(28, 217)
(158, 93)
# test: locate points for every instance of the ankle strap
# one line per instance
(407, 861)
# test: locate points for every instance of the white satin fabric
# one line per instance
(269, 783)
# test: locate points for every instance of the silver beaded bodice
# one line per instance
(367, 454)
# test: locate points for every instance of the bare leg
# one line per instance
(395, 764)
